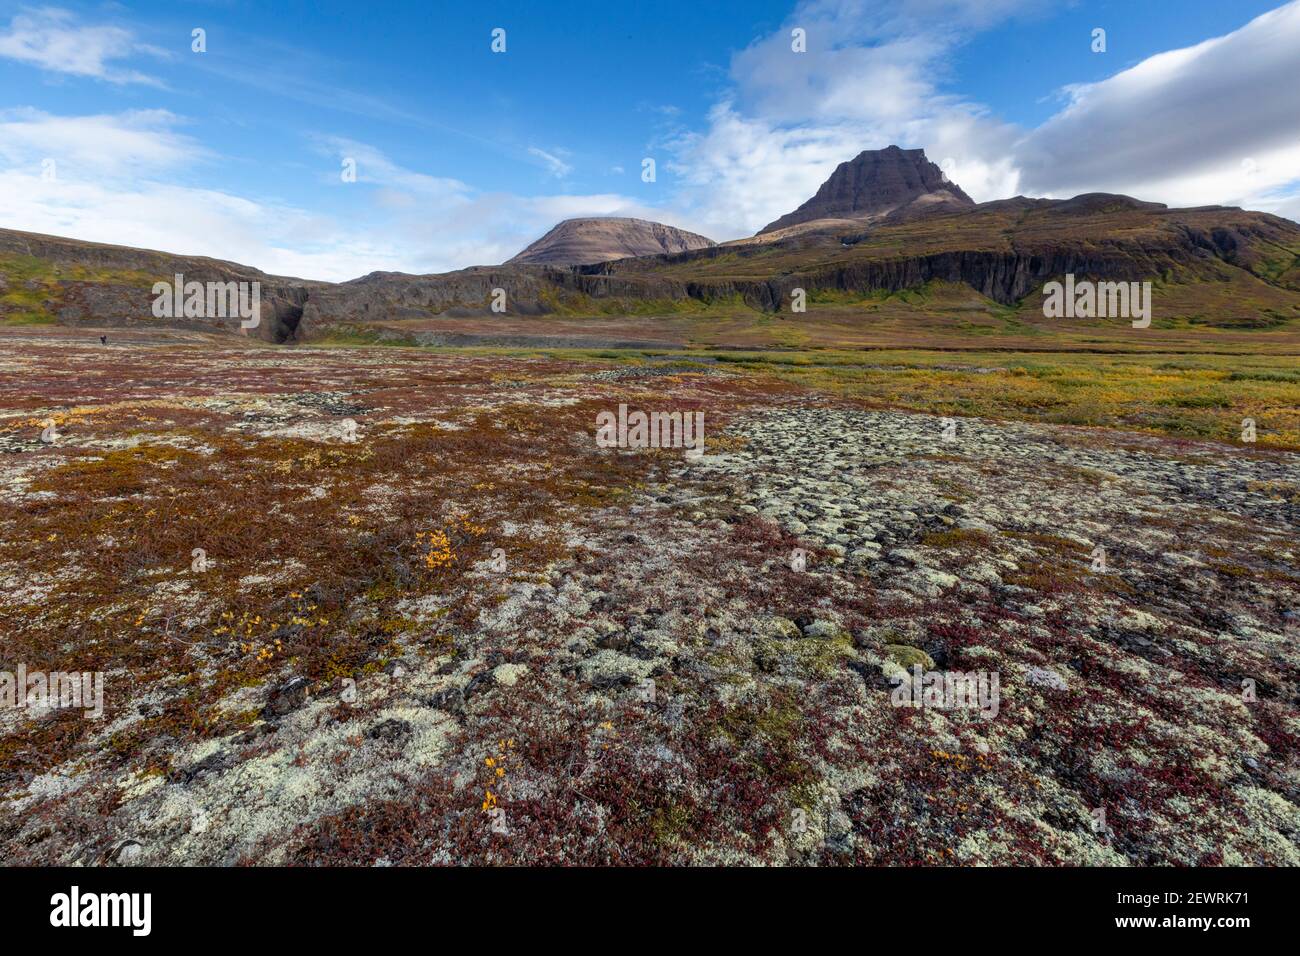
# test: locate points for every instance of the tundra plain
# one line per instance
(435, 623)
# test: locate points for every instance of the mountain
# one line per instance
(1212, 267)
(875, 183)
(584, 241)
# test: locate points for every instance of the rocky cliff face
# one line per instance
(584, 241)
(874, 183)
(91, 283)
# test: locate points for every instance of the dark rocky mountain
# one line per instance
(577, 242)
(874, 183)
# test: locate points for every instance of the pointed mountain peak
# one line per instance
(874, 183)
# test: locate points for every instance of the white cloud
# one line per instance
(375, 168)
(53, 40)
(743, 172)
(1214, 123)
(555, 166)
(107, 144)
(185, 221)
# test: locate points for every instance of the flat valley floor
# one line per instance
(395, 606)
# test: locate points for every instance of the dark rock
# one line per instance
(289, 696)
(617, 641)
(871, 676)
(452, 700)
(126, 853)
(391, 730)
(477, 684)
(213, 764)
(610, 681)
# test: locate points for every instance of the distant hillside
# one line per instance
(584, 241)
(1210, 266)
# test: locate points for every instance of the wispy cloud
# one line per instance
(53, 40)
(554, 165)
(106, 145)
(375, 168)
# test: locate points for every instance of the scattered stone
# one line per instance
(477, 684)
(126, 853)
(287, 697)
(212, 764)
(1045, 677)
(392, 730)
(615, 641)
(452, 700)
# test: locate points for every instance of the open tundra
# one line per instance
(374, 605)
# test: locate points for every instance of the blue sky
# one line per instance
(464, 155)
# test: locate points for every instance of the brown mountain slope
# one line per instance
(584, 241)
